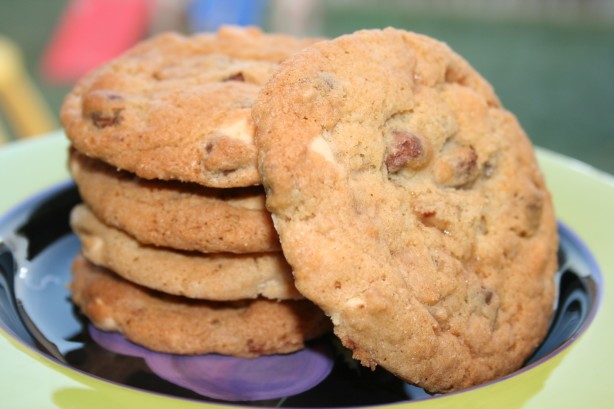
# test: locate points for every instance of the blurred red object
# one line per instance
(90, 33)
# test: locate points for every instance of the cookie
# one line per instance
(184, 216)
(178, 108)
(410, 205)
(219, 276)
(179, 325)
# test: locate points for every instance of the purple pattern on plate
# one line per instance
(230, 378)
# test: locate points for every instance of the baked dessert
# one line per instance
(179, 325)
(215, 276)
(184, 216)
(178, 107)
(410, 205)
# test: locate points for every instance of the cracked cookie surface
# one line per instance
(178, 108)
(410, 205)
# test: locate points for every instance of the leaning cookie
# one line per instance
(177, 107)
(178, 325)
(410, 206)
(183, 216)
(218, 277)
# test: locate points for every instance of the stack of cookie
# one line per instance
(178, 251)
(408, 201)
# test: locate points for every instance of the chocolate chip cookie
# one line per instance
(410, 205)
(184, 216)
(178, 325)
(178, 107)
(216, 276)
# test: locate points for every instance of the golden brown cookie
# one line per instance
(218, 276)
(410, 205)
(184, 216)
(180, 325)
(177, 107)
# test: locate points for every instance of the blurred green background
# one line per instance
(551, 62)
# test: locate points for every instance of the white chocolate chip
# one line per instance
(94, 246)
(335, 318)
(107, 324)
(321, 147)
(356, 302)
(242, 129)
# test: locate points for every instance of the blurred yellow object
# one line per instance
(3, 133)
(21, 103)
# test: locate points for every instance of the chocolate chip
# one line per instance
(114, 97)
(529, 220)
(534, 209)
(456, 166)
(101, 120)
(235, 77)
(489, 168)
(405, 150)
(103, 107)
(255, 347)
(487, 296)
(429, 218)
(467, 161)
